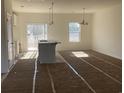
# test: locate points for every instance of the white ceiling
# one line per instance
(61, 6)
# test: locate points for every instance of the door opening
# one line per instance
(35, 32)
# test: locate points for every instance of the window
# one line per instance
(35, 32)
(74, 32)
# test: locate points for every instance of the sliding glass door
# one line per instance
(35, 32)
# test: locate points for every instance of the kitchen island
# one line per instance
(47, 51)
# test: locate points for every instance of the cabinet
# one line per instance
(46, 50)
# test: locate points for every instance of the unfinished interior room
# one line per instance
(61, 46)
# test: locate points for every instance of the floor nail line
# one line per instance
(79, 75)
(51, 79)
(34, 78)
(101, 71)
(105, 61)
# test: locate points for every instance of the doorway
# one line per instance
(35, 32)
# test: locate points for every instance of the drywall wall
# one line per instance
(107, 31)
(6, 7)
(58, 31)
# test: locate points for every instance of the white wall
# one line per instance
(58, 31)
(107, 31)
(6, 6)
(103, 33)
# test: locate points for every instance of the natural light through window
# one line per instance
(80, 54)
(35, 32)
(74, 32)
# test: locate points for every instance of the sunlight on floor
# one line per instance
(80, 54)
(32, 48)
(30, 55)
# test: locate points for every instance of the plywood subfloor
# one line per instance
(70, 74)
(20, 78)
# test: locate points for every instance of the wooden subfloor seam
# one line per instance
(89, 86)
(101, 71)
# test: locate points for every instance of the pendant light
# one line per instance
(51, 14)
(83, 18)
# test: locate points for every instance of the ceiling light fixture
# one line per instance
(83, 18)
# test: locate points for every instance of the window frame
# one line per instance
(79, 34)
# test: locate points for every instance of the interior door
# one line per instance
(10, 40)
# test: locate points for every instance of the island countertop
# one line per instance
(48, 42)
